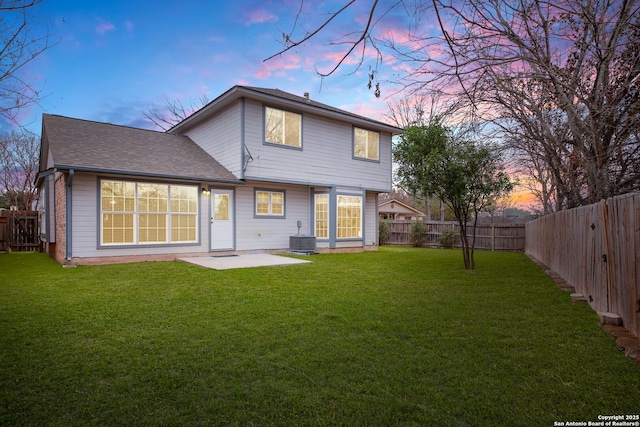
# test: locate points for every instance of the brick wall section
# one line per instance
(61, 219)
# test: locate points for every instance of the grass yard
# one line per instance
(402, 336)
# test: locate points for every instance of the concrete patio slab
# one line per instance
(242, 261)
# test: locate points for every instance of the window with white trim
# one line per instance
(282, 127)
(321, 216)
(184, 213)
(269, 203)
(349, 217)
(133, 213)
(366, 144)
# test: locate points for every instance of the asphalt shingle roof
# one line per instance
(103, 147)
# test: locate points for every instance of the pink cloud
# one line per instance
(335, 57)
(278, 66)
(259, 16)
(347, 65)
(373, 109)
(105, 27)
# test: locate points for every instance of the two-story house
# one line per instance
(243, 174)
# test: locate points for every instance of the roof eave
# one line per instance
(62, 167)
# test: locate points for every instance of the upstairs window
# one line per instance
(366, 144)
(282, 127)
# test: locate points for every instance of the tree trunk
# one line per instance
(466, 255)
(427, 207)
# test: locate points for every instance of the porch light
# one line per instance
(205, 191)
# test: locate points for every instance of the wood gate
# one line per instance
(19, 231)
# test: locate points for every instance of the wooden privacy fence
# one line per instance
(507, 237)
(19, 231)
(596, 249)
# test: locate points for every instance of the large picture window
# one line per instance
(282, 127)
(134, 213)
(349, 217)
(366, 144)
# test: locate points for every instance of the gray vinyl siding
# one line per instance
(371, 219)
(326, 157)
(221, 137)
(270, 233)
(86, 228)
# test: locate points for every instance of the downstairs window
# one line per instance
(139, 213)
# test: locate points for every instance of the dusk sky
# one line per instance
(113, 59)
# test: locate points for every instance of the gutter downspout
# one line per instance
(47, 208)
(243, 147)
(333, 217)
(68, 206)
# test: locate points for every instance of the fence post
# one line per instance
(607, 255)
(493, 238)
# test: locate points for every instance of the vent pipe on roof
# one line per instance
(306, 95)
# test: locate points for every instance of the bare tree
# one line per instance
(530, 161)
(173, 112)
(23, 38)
(352, 43)
(19, 153)
(425, 108)
(524, 62)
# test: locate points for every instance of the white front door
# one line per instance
(222, 219)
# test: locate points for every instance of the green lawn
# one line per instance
(399, 336)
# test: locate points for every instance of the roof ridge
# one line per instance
(308, 101)
(108, 123)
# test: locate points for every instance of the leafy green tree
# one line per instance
(4, 201)
(465, 175)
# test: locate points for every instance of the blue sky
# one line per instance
(113, 59)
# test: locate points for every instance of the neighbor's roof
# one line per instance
(84, 145)
(382, 207)
(278, 97)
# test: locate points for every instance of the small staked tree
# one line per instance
(463, 174)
